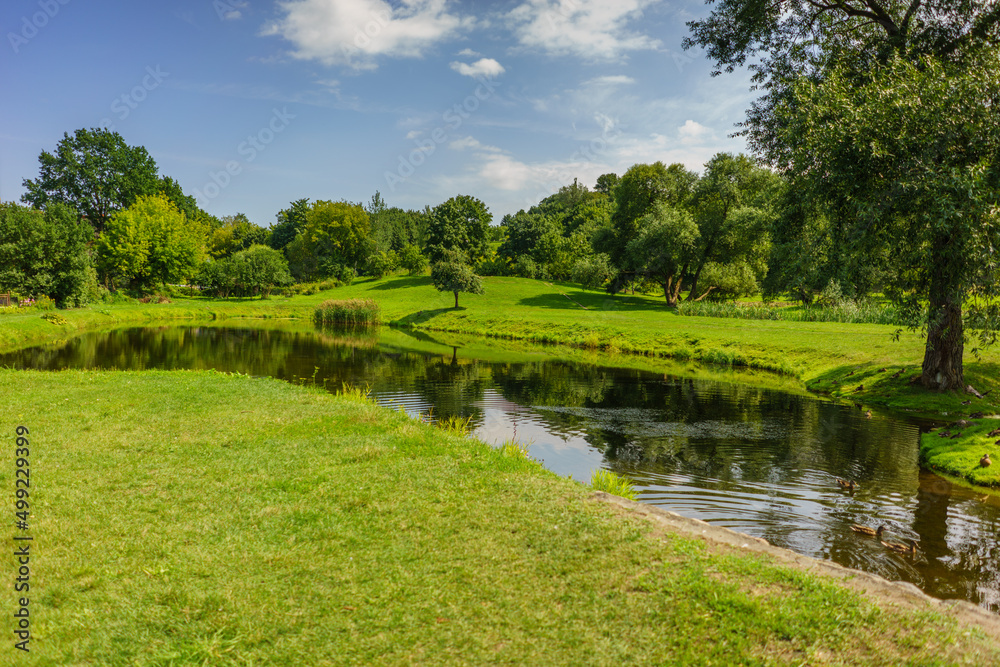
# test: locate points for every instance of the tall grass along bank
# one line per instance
(347, 311)
(202, 518)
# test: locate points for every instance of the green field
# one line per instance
(855, 362)
(202, 518)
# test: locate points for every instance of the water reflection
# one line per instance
(759, 461)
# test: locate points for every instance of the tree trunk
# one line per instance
(942, 368)
(456, 300)
(672, 291)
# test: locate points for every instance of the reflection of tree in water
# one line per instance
(453, 386)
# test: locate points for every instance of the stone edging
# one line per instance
(894, 591)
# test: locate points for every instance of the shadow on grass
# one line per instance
(577, 299)
(403, 282)
(422, 316)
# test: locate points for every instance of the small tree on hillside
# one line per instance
(452, 274)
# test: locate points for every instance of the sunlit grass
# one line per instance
(204, 518)
(609, 482)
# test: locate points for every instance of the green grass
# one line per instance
(609, 482)
(960, 456)
(202, 518)
(830, 358)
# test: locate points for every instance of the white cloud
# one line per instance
(355, 33)
(614, 80)
(484, 67)
(473, 143)
(469, 53)
(413, 134)
(694, 133)
(593, 29)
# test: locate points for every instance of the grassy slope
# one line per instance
(194, 517)
(831, 358)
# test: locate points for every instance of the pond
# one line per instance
(758, 460)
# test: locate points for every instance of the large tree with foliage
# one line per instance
(150, 243)
(338, 236)
(664, 248)
(887, 112)
(733, 203)
(45, 253)
(636, 193)
(95, 172)
(459, 224)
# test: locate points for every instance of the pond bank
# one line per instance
(332, 527)
(859, 363)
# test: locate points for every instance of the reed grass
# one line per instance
(609, 482)
(847, 312)
(348, 311)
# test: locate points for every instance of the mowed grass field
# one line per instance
(200, 518)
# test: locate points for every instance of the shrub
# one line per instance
(411, 259)
(592, 272)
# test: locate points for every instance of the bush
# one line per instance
(380, 263)
(347, 311)
(411, 259)
(251, 272)
(593, 272)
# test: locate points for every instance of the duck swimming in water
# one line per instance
(865, 530)
(847, 486)
(901, 548)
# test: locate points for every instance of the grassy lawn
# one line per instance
(202, 518)
(856, 362)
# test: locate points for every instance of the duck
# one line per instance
(848, 486)
(901, 548)
(985, 461)
(865, 530)
(868, 414)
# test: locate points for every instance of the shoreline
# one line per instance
(609, 333)
(336, 524)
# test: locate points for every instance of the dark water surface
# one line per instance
(759, 461)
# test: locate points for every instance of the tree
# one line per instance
(887, 111)
(787, 40)
(459, 224)
(606, 183)
(235, 233)
(45, 253)
(732, 202)
(451, 273)
(664, 248)
(921, 178)
(94, 172)
(256, 270)
(640, 188)
(338, 236)
(291, 221)
(412, 260)
(150, 242)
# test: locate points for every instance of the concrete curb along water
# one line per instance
(894, 591)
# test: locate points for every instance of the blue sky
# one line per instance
(253, 104)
